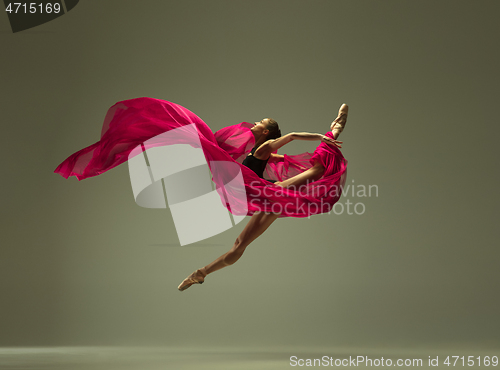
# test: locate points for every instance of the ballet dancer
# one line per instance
(268, 139)
(130, 123)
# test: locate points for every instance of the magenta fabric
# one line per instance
(236, 140)
(129, 123)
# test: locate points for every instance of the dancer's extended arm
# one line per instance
(278, 143)
(266, 149)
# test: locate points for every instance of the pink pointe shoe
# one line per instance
(338, 125)
(197, 277)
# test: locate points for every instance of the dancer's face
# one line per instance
(260, 128)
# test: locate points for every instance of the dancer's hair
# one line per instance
(274, 130)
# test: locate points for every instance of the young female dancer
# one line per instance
(257, 160)
(129, 124)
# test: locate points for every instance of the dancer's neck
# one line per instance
(261, 140)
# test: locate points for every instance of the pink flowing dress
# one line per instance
(130, 123)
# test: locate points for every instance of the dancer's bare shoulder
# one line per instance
(279, 142)
(267, 148)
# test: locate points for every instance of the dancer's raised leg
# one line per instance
(258, 223)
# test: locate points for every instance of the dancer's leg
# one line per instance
(258, 223)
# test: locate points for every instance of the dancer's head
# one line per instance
(267, 127)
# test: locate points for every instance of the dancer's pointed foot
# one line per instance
(338, 125)
(197, 277)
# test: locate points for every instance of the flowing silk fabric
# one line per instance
(130, 123)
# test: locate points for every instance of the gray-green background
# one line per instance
(82, 264)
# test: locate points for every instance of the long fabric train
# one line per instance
(130, 123)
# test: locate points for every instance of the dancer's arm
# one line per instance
(270, 146)
(278, 143)
(277, 157)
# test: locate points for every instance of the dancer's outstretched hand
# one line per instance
(330, 141)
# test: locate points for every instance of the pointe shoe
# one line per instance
(338, 125)
(197, 277)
